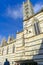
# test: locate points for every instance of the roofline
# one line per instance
(8, 43)
(33, 15)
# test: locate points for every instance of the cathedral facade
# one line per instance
(28, 45)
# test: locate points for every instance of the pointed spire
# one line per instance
(9, 39)
(28, 1)
(12, 37)
(3, 42)
(17, 31)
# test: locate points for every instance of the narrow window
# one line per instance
(13, 48)
(36, 27)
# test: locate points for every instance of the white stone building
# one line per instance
(28, 45)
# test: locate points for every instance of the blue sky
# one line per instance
(11, 16)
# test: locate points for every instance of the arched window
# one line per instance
(7, 49)
(13, 48)
(36, 27)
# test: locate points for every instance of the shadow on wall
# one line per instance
(39, 57)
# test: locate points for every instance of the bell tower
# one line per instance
(27, 23)
(27, 9)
